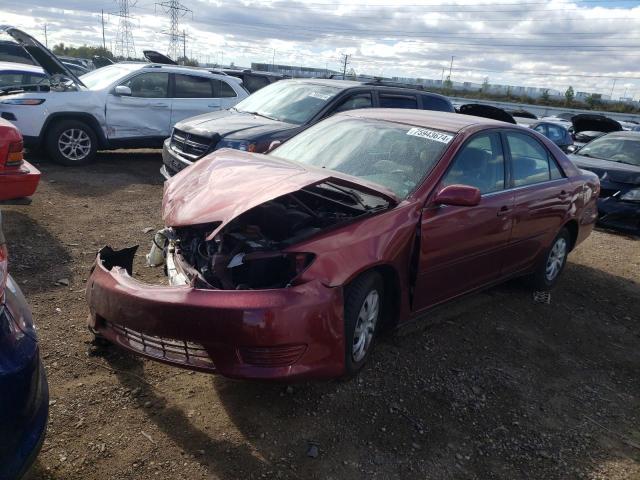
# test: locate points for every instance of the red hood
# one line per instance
(228, 182)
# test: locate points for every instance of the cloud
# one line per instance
(546, 43)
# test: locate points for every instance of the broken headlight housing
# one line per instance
(632, 195)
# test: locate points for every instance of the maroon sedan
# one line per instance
(286, 265)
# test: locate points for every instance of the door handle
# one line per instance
(504, 210)
(160, 105)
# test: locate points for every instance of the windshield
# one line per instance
(615, 149)
(393, 155)
(103, 77)
(288, 101)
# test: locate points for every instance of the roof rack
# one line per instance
(391, 83)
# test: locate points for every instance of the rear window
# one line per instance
(254, 82)
(430, 102)
(222, 89)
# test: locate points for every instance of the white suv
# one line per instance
(124, 105)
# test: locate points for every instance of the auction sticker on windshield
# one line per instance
(430, 135)
(321, 96)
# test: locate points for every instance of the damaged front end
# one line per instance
(256, 250)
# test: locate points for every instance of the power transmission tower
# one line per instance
(124, 38)
(176, 11)
(344, 69)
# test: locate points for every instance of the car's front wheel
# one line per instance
(363, 310)
(549, 269)
(71, 142)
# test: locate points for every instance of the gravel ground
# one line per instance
(492, 386)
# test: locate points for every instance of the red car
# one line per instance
(17, 178)
(286, 265)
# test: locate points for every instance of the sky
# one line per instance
(592, 45)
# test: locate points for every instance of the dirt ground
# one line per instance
(493, 386)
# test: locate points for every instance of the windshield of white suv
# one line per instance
(393, 155)
(103, 77)
(614, 149)
(288, 101)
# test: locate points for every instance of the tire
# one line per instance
(553, 262)
(363, 295)
(71, 143)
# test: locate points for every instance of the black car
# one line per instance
(587, 126)
(615, 158)
(278, 112)
(253, 80)
(554, 132)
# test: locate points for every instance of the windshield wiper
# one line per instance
(260, 115)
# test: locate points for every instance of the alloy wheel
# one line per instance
(74, 144)
(365, 325)
(556, 259)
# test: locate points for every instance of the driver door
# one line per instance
(144, 114)
(461, 248)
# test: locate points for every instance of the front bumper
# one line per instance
(280, 334)
(19, 183)
(619, 215)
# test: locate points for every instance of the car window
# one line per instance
(397, 101)
(222, 89)
(531, 162)
(149, 85)
(361, 100)
(430, 102)
(191, 86)
(480, 164)
(555, 133)
(254, 82)
(541, 129)
(11, 79)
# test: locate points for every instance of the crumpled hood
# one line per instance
(228, 182)
(229, 123)
(595, 123)
(615, 171)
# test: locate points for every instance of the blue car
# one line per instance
(24, 394)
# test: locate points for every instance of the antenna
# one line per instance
(124, 38)
(177, 38)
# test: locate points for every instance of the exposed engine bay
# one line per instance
(248, 252)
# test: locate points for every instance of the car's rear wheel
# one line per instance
(72, 142)
(549, 269)
(363, 308)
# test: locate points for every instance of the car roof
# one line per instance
(23, 67)
(133, 66)
(624, 134)
(447, 121)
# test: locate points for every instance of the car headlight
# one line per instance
(632, 195)
(22, 101)
(243, 145)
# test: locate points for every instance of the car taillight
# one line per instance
(14, 156)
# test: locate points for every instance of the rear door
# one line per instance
(146, 113)
(194, 95)
(542, 199)
(461, 248)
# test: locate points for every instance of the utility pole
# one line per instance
(273, 60)
(184, 46)
(46, 39)
(104, 43)
(176, 11)
(450, 67)
(344, 68)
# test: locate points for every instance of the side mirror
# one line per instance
(571, 148)
(458, 195)
(123, 91)
(273, 145)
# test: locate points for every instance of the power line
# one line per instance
(124, 38)
(176, 11)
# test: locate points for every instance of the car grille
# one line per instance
(279, 356)
(190, 145)
(166, 349)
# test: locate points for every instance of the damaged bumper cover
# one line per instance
(278, 334)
